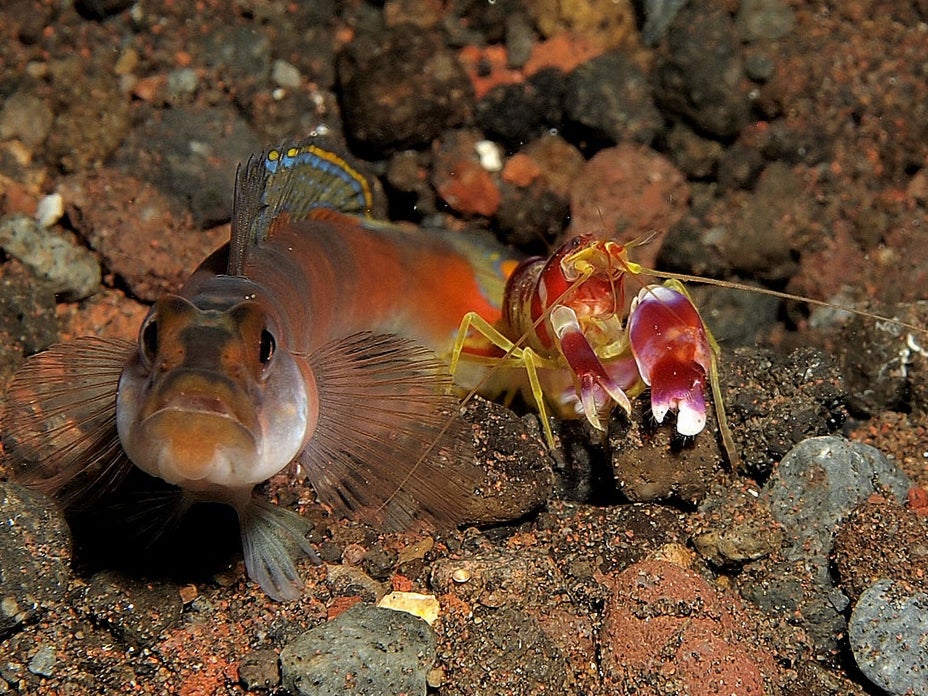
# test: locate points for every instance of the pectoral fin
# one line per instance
(390, 446)
(59, 423)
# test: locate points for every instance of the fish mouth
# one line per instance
(198, 443)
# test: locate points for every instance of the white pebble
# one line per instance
(286, 74)
(49, 210)
(491, 155)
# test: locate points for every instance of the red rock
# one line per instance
(666, 630)
(917, 500)
(468, 188)
(563, 51)
(133, 226)
(487, 68)
(520, 170)
(629, 192)
(19, 198)
(460, 179)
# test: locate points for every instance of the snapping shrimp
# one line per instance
(563, 322)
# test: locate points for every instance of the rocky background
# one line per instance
(773, 142)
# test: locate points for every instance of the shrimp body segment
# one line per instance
(564, 323)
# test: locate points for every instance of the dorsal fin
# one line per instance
(295, 178)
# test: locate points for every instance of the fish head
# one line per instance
(211, 402)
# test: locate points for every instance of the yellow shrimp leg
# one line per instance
(515, 357)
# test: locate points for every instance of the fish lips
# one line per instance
(194, 447)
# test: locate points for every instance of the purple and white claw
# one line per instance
(673, 354)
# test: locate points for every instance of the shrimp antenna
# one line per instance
(733, 285)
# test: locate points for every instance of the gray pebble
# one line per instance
(700, 76)
(26, 117)
(243, 51)
(35, 554)
(182, 81)
(286, 74)
(759, 67)
(887, 635)
(658, 16)
(72, 271)
(259, 670)
(611, 97)
(764, 19)
(198, 150)
(43, 662)
(365, 650)
(815, 486)
(520, 39)
(818, 483)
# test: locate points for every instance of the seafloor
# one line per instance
(778, 143)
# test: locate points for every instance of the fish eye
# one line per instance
(267, 347)
(148, 340)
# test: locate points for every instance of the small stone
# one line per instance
(259, 670)
(435, 677)
(183, 81)
(520, 39)
(459, 177)
(286, 74)
(43, 662)
(818, 483)
(152, 248)
(609, 100)
(518, 474)
(198, 150)
(518, 113)
(658, 14)
(422, 606)
(700, 76)
(759, 67)
(887, 633)
(490, 154)
(364, 649)
(508, 651)
(135, 612)
(667, 627)
(26, 117)
(401, 89)
(49, 210)
(627, 192)
(764, 19)
(93, 118)
(71, 270)
(496, 578)
(738, 529)
(899, 533)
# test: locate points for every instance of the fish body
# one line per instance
(315, 335)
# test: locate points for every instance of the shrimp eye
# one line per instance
(267, 347)
(148, 340)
